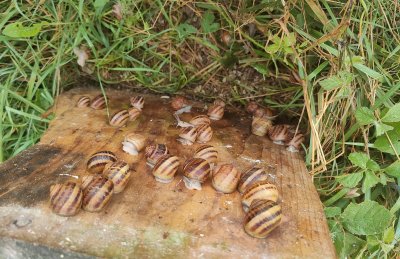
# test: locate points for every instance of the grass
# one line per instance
(315, 61)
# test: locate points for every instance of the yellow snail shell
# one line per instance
(119, 118)
(196, 172)
(278, 134)
(165, 168)
(179, 102)
(97, 192)
(251, 107)
(259, 190)
(187, 136)
(133, 143)
(262, 218)
(154, 152)
(200, 120)
(84, 101)
(66, 198)
(134, 113)
(260, 126)
(207, 152)
(294, 144)
(204, 133)
(119, 173)
(137, 102)
(99, 160)
(99, 102)
(250, 177)
(216, 112)
(225, 178)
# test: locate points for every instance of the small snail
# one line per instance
(251, 107)
(119, 118)
(180, 104)
(264, 112)
(278, 134)
(250, 177)
(134, 113)
(219, 102)
(133, 143)
(99, 102)
(84, 101)
(137, 102)
(216, 112)
(260, 126)
(97, 192)
(66, 198)
(154, 152)
(165, 168)
(187, 136)
(99, 160)
(204, 133)
(225, 178)
(263, 217)
(200, 120)
(119, 173)
(294, 144)
(208, 153)
(195, 171)
(226, 38)
(259, 190)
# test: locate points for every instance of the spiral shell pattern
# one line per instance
(165, 168)
(219, 102)
(196, 171)
(278, 134)
(119, 173)
(216, 112)
(200, 120)
(133, 143)
(97, 192)
(250, 177)
(204, 133)
(99, 160)
(260, 190)
(208, 153)
(84, 101)
(137, 102)
(225, 178)
(154, 152)
(134, 113)
(260, 126)
(119, 118)
(187, 135)
(65, 199)
(99, 102)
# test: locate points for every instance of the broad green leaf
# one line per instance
(262, 69)
(17, 30)
(345, 243)
(370, 181)
(343, 78)
(381, 128)
(372, 165)
(393, 115)
(331, 212)
(359, 159)
(365, 116)
(207, 23)
(393, 169)
(185, 30)
(369, 72)
(350, 180)
(272, 48)
(388, 235)
(366, 218)
(382, 142)
(289, 40)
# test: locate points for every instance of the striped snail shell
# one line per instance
(278, 134)
(120, 118)
(133, 143)
(207, 152)
(294, 144)
(251, 107)
(204, 133)
(84, 101)
(99, 160)
(259, 190)
(187, 136)
(263, 217)
(134, 113)
(219, 102)
(200, 120)
(216, 112)
(250, 177)
(119, 173)
(260, 126)
(137, 102)
(165, 168)
(97, 192)
(99, 102)
(225, 178)
(65, 198)
(179, 102)
(154, 152)
(195, 172)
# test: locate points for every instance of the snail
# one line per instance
(119, 118)
(97, 192)
(99, 102)
(66, 198)
(84, 101)
(195, 172)
(119, 173)
(137, 102)
(216, 112)
(134, 113)
(262, 218)
(259, 190)
(200, 120)
(154, 152)
(265, 113)
(260, 126)
(208, 153)
(225, 178)
(165, 168)
(180, 104)
(251, 107)
(219, 102)
(250, 177)
(278, 134)
(187, 136)
(204, 133)
(99, 160)
(226, 38)
(295, 142)
(133, 143)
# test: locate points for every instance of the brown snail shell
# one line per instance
(264, 112)
(262, 218)
(225, 178)
(84, 101)
(154, 152)
(208, 153)
(196, 172)
(204, 133)
(259, 190)
(120, 118)
(66, 198)
(278, 134)
(133, 143)
(200, 120)
(187, 136)
(219, 102)
(250, 177)
(134, 113)
(294, 144)
(99, 102)
(260, 126)
(119, 173)
(137, 102)
(179, 102)
(216, 112)
(226, 38)
(251, 107)
(99, 160)
(165, 168)
(97, 192)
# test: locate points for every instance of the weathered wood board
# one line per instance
(150, 219)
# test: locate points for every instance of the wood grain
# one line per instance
(151, 219)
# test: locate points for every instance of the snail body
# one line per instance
(154, 152)
(187, 136)
(119, 173)
(260, 126)
(97, 192)
(250, 177)
(294, 144)
(200, 120)
(119, 118)
(84, 101)
(134, 113)
(137, 102)
(196, 172)
(225, 178)
(66, 198)
(99, 160)
(204, 133)
(133, 143)
(165, 168)
(260, 190)
(208, 153)
(216, 112)
(99, 102)
(278, 134)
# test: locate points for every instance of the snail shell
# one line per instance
(119, 173)
(187, 135)
(294, 144)
(278, 134)
(251, 107)
(260, 190)
(250, 177)
(97, 192)
(208, 153)
(262, 217)
(264, 112)
(99, 160)
(154, 152)
(137, 102)
(216, 112)
(226, 38)
(165, 168)
(66, 198)
(195, 171)
(225, 178)
(219, 102)
(179, 102)
(119, 118)
(134, 113)
(99, 102)
(84, 101)
(204, 133)
(200, 120)
(260, 126)
(133, 143)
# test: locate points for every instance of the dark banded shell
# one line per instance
(260, 126)
(134, 113)
(260, 190)
(97, 192)
(119, 173)
(99, 160)
(66, 198)
(84, 101)
(250, 177)
(207, 152)
(120, 118)
(204, 133)
(278, 134)
(251, 107)
(154, 152)
(196, 171)
(187, 135)
(165, 168)
(200, 120)
(99, 102)
(262, 217)
(216, 112)
(225, 178)
(294, 144)
(137, 102)
(133, 143)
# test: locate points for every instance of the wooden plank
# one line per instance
(150, 218)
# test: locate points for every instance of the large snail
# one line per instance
(134, 113)
(260, 126)
(119, 173)
(200, 120)
(225, 178)
(97, 192)
(195, 171)
(279, 134)
(99, 160)
(66, 198)
(216, 112)
(260, 190)
(250, 177)
(84, 101)
(120, 118)
(154, 152)
(165, 168)
(133, 143)
(187, 136)
(208, 153)
(204, 133)
(99, 102)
